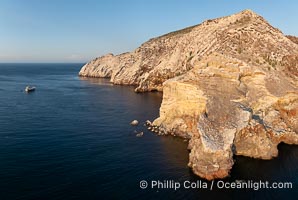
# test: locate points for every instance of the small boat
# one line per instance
(30, 89)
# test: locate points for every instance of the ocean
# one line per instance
(71, 139)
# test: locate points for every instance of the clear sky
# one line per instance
(79, 30)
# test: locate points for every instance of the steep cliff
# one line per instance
(227, 107)
(245, 35)
(230, 85)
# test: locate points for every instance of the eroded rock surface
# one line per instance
(245, 35)
(226, 107)
(230, 85)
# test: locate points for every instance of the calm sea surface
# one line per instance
(71, 139)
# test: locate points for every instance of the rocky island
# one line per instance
(230, 86)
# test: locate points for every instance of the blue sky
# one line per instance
(79, 30)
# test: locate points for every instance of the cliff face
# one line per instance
(245, 35)
(226, 107)
(230, 85)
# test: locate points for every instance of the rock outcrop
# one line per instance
(230, 85)
(245, 35)
(226, 107)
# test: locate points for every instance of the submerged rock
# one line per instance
(140, 134)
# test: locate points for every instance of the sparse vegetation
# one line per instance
(239, 50)
(175, 33)
(293, 38)
(243, 20)
(189, 58)
(177, 73)
(270, 61)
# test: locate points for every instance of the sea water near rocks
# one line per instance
(71, 139)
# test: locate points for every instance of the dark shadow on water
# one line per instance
(284, 168)
(99, 81)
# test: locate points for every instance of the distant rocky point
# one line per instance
(230, 85)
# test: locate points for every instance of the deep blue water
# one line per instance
(71, 139)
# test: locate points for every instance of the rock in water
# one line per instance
(148, 123)
(140, 134)
(230, 85)
(134, 123)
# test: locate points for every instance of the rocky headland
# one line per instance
(230, 86)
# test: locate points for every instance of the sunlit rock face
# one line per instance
(226, 107)
(230, 85)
